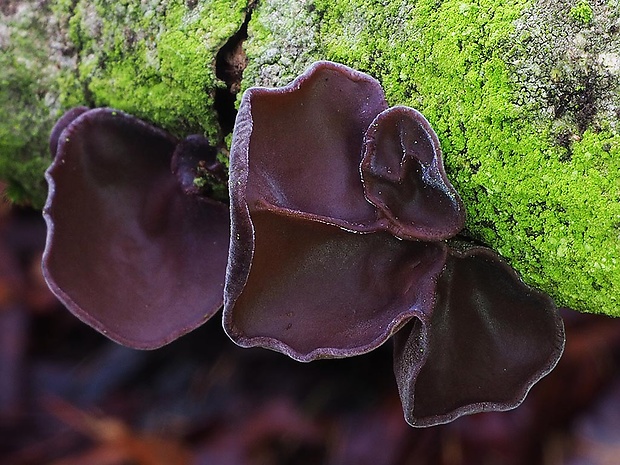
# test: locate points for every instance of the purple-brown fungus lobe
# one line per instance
(311, 163)
(339, 211)
(317, 291)
(488, 339)
(403, 177)
(128, 251)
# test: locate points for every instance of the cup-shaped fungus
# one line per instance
(130, 250)
(318, 291)
(295, 269)
(339, 209)
(489, 338)
(403, 177)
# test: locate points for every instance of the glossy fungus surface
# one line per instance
(403, 177)
(317, 291)
(301, 146)
(128, 252)
(339, 211)
(488, 340)
(298, 280)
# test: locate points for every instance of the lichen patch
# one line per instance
(566, 64)
(282, 42)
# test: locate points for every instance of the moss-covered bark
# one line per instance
(523, 94)
(154, 59)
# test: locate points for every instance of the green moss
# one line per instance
(582, 13)
(28, 105)
(554, 217)
(157, 65)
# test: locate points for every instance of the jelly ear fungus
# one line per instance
(340, 208)
(341, 232)
(128, 251)
(487, 341)
(403, 177)
(299, 281)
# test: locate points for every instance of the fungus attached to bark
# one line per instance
(488, 339)
(339, 212)
(403, 176)
(128, 251)
(339, 209)
(295, 269)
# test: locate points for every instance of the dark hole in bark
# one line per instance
(230, 62)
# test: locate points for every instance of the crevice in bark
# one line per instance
(230, 62)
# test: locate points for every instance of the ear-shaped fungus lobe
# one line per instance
(296, 152)
(127, 251)
(298, 280)
(306, 144)
(490, 338)
(316, 291)
(403, 177)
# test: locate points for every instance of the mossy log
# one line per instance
(524, 95)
